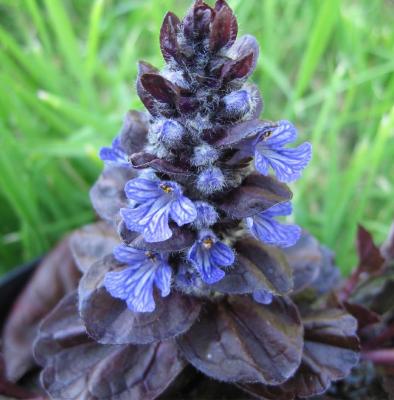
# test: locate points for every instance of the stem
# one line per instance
(379, 356)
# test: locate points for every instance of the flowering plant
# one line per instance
(192, 263)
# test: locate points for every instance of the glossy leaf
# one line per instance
(109, 321)
(222, 28)
(146, 160)
(257, 193)
(107, 194)
(146, 98)
(55, 276)
(76, 367)
(305, 259)
(91, 243)
(370, 258)
(387, 249)
(168, 37)
(257, 267)
(242, 341)
(242, 47)
(245, 130)
(181, 239)
(330, 351)
(160, 88)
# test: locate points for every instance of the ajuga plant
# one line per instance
(192, 268)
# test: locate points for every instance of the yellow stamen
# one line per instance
(166, 188)
(150, 256)
(207, 243)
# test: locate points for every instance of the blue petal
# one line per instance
(286, 163)
(221, 255)
(262, 296)
(157, 228)
(272, 232)
(132, 216)
(201, 260)
(183, 211)
(135, 286)
(163, 278)
(129, 255)
(279, 209)
(114, 155)
(283, 134)
(142, 190)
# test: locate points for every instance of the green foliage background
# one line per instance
(67, 70)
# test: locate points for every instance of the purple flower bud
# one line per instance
(210, 180)
(206, 215)
(204, 154)
(236, 104)
(170, 132)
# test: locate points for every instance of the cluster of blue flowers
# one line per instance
(154, 205)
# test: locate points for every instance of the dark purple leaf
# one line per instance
(160, 88)
(257, 267)
(243, 341)
(257, 193)
(134, 131)
(55, 276)
(91, 243)
(146, 98)
(109, 321)
(146, 160)
(196, 24)
(245, 130)
(182, 238)
(387, 249)
(223, 28)
(305, 259)
(168, 37)
(329, 276)
(76, 367)
(331, 350)
(107, 194)
(10, 390)
(363, 315)
(244, 46)
(221, 4)
(370, 258)
(238, 69)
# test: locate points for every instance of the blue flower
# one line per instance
(115, 155)
(134, 284)
(208, 255)
(287, 163)
(156, 201)
(265, 228)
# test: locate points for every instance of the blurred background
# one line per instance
(67, 71)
